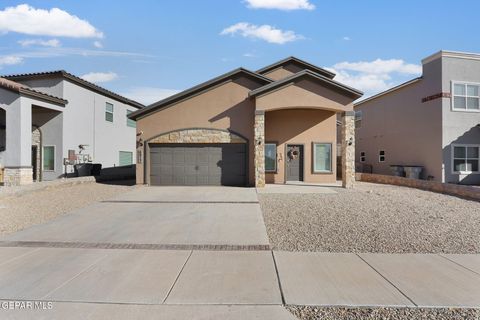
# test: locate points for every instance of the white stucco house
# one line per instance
(52, 120)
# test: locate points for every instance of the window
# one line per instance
(466, 97)
(270, 157)
(358, 119)
(322, 157)
(466, 158)
(362, 156)
(125, 158)
(130, 122)
(49, 158)
(381, 156)
(109, 112)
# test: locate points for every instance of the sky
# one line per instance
(149, 49)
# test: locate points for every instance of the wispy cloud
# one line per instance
(285, 5)
(264, 32)
(54, 22)
(54, 43)
(100, 77)
(249, 55)
(148, 95)
(374, 76)
(97, 44)
(346, 38)
(10, 60)
(58, 52)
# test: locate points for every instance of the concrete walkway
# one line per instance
(93, 265)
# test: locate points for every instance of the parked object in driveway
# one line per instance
(413, 172)
(83, 169)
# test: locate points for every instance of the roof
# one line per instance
(25, 90)
(388, 91)
(76, 80)
(303, 63)
(354, 93)
(196, 89)
(451, 54)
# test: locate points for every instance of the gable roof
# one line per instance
(23, 89)
(77, 80)
(337, 86)
(297, 61)
(386, 92)
(197, 89)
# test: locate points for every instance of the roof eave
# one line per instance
(278, 64)
(387, 92)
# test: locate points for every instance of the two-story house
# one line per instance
(432, 121)
(52, 120)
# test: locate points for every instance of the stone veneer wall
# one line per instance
(445, 188)
(259, 134)
(198, 136)
(37, 141)
(348, 149)
(17, 176)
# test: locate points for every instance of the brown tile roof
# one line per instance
(21, 88)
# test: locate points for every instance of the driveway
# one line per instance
(161, 215)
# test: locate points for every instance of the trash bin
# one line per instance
(96, 169)
(83, 169)
(397, 170)
(413, 172)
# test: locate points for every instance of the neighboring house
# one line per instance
(275, 125)
(431, 121)
(50, 120)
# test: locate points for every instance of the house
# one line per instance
(432, 121)
(275, 125)
(52, 120)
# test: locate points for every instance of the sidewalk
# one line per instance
(226, 282)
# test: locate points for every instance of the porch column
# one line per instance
(18, 146)
(259, 140)
(348, 149)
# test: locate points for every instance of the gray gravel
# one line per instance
(33, 206)
(335, 313)
(372, 218)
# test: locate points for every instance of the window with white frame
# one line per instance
(466, 96)
(465, 158)
(322, 157)
(381, 156)
(108, 112)
(362, 156)
(130, 122)
(48, 158)
(358, 119)
(270, 157)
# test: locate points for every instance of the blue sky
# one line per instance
(149, 49)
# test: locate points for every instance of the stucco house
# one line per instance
(432, 121)
(275, 125)
(51, 120)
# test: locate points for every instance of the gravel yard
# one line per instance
(372, 218)
(33, 207)
(331, 313)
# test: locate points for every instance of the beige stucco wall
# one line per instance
(225, 107)
(283, 72)
(300, 126)
(304, 93)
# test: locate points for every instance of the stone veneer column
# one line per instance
(17, 176)
(348, 149)
(259, 140)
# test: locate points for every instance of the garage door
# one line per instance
(198, 164)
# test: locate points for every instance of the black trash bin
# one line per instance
(96, 169)
(83, 169)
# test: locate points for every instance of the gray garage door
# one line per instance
(198, 164)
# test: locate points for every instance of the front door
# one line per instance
(34, 162)
(294, 162)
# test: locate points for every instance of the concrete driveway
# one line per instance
(161, 215)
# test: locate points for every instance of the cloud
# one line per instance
(264, 32)
(374, 76)
(99, 77)
(149, 95)
(59, 52)
(10, 60)
(97, 44)
(285, 5)
(346, 38)
(249, 55)
(54, 22)
(54, 43)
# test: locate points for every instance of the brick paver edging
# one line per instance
(463, 191)
(135, 246)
